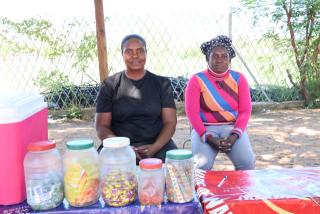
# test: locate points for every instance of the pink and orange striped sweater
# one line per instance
(212, 98)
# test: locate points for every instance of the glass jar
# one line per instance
(81, 173)
(179, 176)
(151, 182)
(43, 175)
(118, 172)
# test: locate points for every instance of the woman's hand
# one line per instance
(146, 151)
(227, 143)
(214, 142)
(135, 149)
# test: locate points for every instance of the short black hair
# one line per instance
(133, 36)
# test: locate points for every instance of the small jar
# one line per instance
(81, 173)
(179, 176)
(43, 175)
(118, 172)
(151, 182)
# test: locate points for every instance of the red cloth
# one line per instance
(259, 191)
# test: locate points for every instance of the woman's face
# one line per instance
(134, 55)
(219, 59)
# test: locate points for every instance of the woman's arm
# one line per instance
(103, 124)
(192, 105)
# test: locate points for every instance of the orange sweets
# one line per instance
(81, 173)
(151, 182)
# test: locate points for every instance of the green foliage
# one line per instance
(301, 19)
(313, 84)
(314, 89)
(37, 31)
(275, 93)
(40, 38)
(34, 28)
(86, 53)
(52, 81)
(74, 112)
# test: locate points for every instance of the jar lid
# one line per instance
(80, 144)
(179, 154)
(150, 163)
(116, 142)
(41, 145)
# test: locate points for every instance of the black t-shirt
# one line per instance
(135, 105)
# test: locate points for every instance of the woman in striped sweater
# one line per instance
(218, 106)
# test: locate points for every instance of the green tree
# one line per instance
(301, 19)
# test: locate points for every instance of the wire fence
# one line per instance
(59, 59)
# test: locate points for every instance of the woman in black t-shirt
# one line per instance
(137, 104)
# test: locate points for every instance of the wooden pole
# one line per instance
(101, 40)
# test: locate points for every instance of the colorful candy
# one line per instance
(119, 188)
(82, 184)
(179, 183)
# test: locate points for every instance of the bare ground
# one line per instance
(282, 138)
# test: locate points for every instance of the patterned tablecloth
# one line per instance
(192, 207)
(259, 191)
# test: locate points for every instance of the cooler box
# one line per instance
(23, 119)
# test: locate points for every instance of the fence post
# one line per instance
(101, 40)
(251, 74)
(230, 23)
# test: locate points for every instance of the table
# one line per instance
(259, 191)
(193, 207)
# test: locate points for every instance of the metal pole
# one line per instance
(253, 77)
(101, 40)
(230, 22)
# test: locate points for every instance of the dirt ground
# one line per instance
(282, 138)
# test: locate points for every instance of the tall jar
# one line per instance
(151, 182)
(179, 176)
(118, 172)
(43, 175)
(81, 173)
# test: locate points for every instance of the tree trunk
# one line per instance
(303, 87)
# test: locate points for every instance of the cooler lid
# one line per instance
(17, 106)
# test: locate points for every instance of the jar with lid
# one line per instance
(81, 173)
(118, 172)
(179, 176)
(151, 182)
(43, 175)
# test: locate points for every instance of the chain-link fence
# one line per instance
(59, 59)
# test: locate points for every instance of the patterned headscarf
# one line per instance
(219, 41)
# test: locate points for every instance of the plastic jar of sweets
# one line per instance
(81, 173)
(118, 172)
(151, 182)
(179, 176)
(43, 175)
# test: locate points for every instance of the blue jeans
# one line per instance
(241, 153)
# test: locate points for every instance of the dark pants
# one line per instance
(161, 154)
